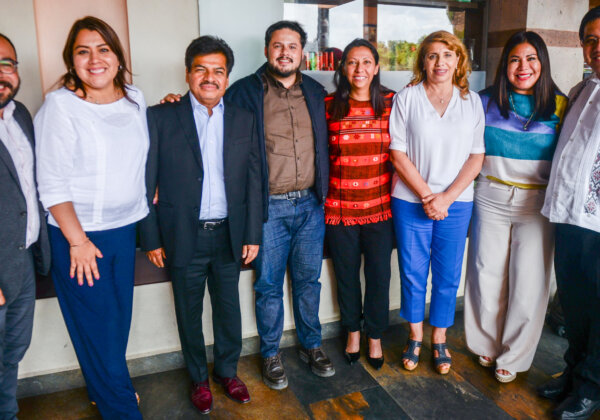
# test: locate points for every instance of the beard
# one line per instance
(6, 98)
(280, 73)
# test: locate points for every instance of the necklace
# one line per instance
(442, 98)
(512, 104)
(116, 97)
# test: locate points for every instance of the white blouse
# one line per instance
(93, 155)
(437, 146)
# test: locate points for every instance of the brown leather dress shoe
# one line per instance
(273, 373)
(202, 397)
(234, 388)
(318, 361)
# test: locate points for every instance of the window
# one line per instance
(395, 26)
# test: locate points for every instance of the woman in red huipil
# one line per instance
(357, 209)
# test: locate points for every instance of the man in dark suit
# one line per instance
(205, 162)
(23, 239)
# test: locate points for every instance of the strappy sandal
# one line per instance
(409, 354)
(486, 361)
(501, 377)
(441, 358)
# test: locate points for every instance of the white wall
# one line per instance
(17, 22)
(557, 15)
(242, 25)
(561, 16)
(563, 61)
(159, 33)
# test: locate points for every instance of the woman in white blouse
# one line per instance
(437, 150)
(91, 151)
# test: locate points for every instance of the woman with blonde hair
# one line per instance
(437, 150)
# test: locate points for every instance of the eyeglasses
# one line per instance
(8, 66)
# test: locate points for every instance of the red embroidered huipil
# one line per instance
(360, 173)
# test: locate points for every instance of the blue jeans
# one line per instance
(292, 235)
(424, 243)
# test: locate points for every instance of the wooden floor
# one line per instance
(469, 391)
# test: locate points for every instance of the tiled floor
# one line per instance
(355, 392)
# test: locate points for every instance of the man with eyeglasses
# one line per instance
(573, 204)
(23, 239)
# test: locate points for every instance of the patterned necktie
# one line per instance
(592, 201)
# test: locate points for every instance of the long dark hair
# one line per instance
(544, 90)
(340, 105)
(70, 80)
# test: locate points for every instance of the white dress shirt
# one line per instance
(437, 146)
(210, 135)
(578, 146)
(21, 152)
(93, 155)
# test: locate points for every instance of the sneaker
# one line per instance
(273, 374)
(318, 361)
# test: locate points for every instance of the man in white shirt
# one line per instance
(573, 203)
(23, 239)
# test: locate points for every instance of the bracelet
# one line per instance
(83, 243)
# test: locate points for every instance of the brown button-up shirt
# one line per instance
(288, 137)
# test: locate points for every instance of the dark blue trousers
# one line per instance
(16, 323)
(578, 279)
(98, 318)
(213, 264)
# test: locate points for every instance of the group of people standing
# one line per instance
(268, 170)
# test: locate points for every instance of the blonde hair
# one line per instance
(463, 69)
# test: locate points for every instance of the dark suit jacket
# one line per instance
(175, 166)
(13, 219)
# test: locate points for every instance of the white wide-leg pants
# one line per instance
(509, 269)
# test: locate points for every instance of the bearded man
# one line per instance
(292, 131)
(24, 243)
